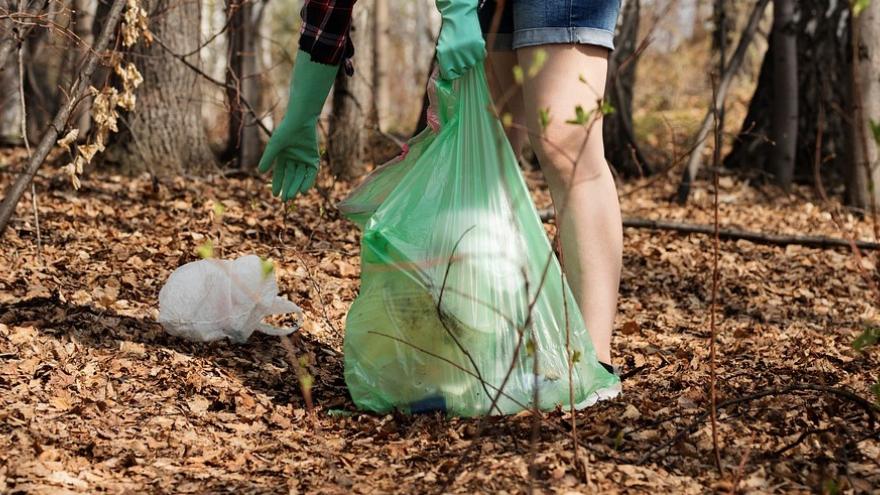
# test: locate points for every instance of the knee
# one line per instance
(570, 153)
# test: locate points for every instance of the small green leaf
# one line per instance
(507, 119)
(830, 487)
(875, 130)
(607, 108)
(618, 440)
(206, 250)
(267, 267)
(518, 75)
(530, 347)
(307, 380)
(868, 338)
(538, 62)
(858, 6)
(544, 117)
(219, 209)
(575, 357)
(581, 116)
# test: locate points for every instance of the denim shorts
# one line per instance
(544, 22)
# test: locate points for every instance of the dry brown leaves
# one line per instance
(96, 397)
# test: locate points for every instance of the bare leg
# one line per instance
(583, 190)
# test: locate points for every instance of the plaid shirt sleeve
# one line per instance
(325, 32)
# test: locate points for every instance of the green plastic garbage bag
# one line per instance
(463, 307)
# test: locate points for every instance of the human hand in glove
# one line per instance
(292, 152)
(461, 44)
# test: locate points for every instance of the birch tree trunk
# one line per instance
(863, 176)
(823, 43)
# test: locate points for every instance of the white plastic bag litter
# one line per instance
(211, 299)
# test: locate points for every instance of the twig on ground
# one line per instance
(320, 296)
(814, 241)
(871, 409)
(740, 470)
(302, 375)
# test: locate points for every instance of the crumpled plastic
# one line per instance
(463, 308)
(212, 299)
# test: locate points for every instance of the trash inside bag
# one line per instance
(463, 307)
(211, 299)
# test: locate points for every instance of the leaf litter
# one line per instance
(96, 397)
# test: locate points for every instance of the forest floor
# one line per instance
(95, 396)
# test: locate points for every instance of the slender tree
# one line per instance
(352, 105)
(243, 82)
(621, 148)
(821, 28)
(785, 93)
(381, 52)
(863, 174)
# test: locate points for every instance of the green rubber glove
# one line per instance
(292, 152)
(461, 44)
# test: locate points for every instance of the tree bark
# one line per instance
(621, 148)
(822, 43)
(785, 90)
(863, 173)
(352, 102)
(381, 50)
(165, 131)
(11, 36)
(243, 81)
(730, 70)
(10, 104)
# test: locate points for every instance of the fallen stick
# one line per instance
(872, 410)
(815, 241)
(47, 142)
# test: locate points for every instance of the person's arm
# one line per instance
(324, 35)
(460, 45)
(324, 45)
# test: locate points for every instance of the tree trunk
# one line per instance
(785, 91)
(863, 174)
(10, 105)
(728, 70)
(621, 149)
(352, 105)
(822, 43)
(381, 50)
(165, 131)
(243, 80)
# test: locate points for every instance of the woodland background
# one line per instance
(744, 137)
